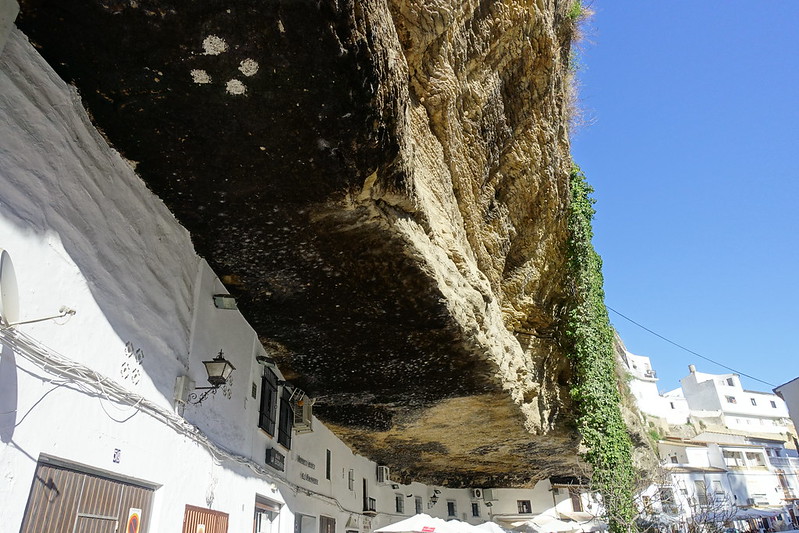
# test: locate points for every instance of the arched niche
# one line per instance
(9, 294)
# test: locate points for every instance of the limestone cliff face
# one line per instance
(382, 183)
(479, 184)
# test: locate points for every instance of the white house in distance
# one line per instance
(693, 481)
(710, 400)
(722, 396)
(728, 471)
(725, 477)
(112, 417)
(643, 379)
(789, 392)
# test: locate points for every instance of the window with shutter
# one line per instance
(286, 419)
(524, 506)
(266, 420)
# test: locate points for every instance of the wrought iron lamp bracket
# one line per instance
(196, 399)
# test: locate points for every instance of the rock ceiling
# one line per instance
(382, 185)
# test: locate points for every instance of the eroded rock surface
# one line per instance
(382, 183)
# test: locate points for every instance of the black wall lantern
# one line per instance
(219, 370)
(433, 498)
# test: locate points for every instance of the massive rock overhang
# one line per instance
(262, 125)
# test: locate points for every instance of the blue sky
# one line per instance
(693, 152)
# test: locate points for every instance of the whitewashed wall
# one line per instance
(83, 231)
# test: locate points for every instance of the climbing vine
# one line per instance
(595, 391)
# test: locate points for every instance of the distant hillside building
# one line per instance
(670, 406)
(721, 396)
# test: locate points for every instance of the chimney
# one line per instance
(692, 369)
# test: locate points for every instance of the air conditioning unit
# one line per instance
(750, 501)
(489, 495)
(477, 493)
(382, 474)
(302, 407)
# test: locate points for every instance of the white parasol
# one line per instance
(420, 523)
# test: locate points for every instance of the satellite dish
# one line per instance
(9, 295)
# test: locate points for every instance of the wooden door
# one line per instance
(65, 500)
(201, 520)
(327, 524)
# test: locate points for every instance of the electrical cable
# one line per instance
(94, 383)
(688, 349)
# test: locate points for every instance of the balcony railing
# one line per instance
(785, 463)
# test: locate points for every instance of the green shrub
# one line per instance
(575, 10)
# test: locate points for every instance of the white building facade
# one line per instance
(671, 407)
(723, 396)
(729, 478)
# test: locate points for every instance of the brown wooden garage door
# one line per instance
(201, 520)
(63, 500)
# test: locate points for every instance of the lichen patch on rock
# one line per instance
(235, 87)
(200, 76)
(214, 45)
(248, 67)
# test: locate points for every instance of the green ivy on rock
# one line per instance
(594, 390)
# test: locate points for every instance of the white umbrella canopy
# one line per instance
(558, 525)
(464, 527)
(546, 524)
(586, 521)
(593, 525)
(420, 523)
(491, 527)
